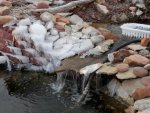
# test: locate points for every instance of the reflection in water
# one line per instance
(24, 92)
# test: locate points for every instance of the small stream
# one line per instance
(27, 92)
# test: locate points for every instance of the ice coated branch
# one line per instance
(64, 8)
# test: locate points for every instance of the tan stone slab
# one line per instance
(107, 69)
(126, 75)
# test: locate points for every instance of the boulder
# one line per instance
(102, 9)
(122, 67)
(136, 60)
(141, 93)
(126, 75)
(146, 80)
(118, 56)
(4, 10)
(140, 71)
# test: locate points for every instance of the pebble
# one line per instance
(122, 67)
(136, 60)
(147, 67)
(140, 71)
(146, 80)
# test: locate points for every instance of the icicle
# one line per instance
(9, 68)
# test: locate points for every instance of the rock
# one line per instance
(89, 69)
(139, 12)
(130, 85)
(123, 17)
(135, 47)
(90, 31)
(130, 109)
(122, 67)
(118, 56)
(141, 93)
(75, 19)
(114, 18)
(5, 19)
(102, 9)
(145, 41)
(144, 53)
(60, 28)
(141, 6)
(122, 93)
(112, 86)
(42, 5)
(107, 69)
(136, 60)
(140, 71)
(146, 80)
(101, 1)
(142, 104)
(97, 39)
(110, 36)
(46, 17)
(6, 3)
(62, 19)
(145, 111)
(126, 75)
(133, 9)
(147, 67)
(4, 10)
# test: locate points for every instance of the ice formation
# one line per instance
(43, 44)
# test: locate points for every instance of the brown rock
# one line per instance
(130, 85)
(141, 93)
(136, 60)
(122, 67)
(6, 3)
(146, 80)
(4, 10)
(100, 1)
(145, 41)
(42, 5)
(118, 56)
(60, 28)
(147, 67)
(109, 36)
(5, 19)
(126, 75)
(140, 71)
(63, 19)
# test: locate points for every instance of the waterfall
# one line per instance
(9, 68)
(60, 82)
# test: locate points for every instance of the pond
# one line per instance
(27, 92)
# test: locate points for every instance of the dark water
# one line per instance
(24, 92)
